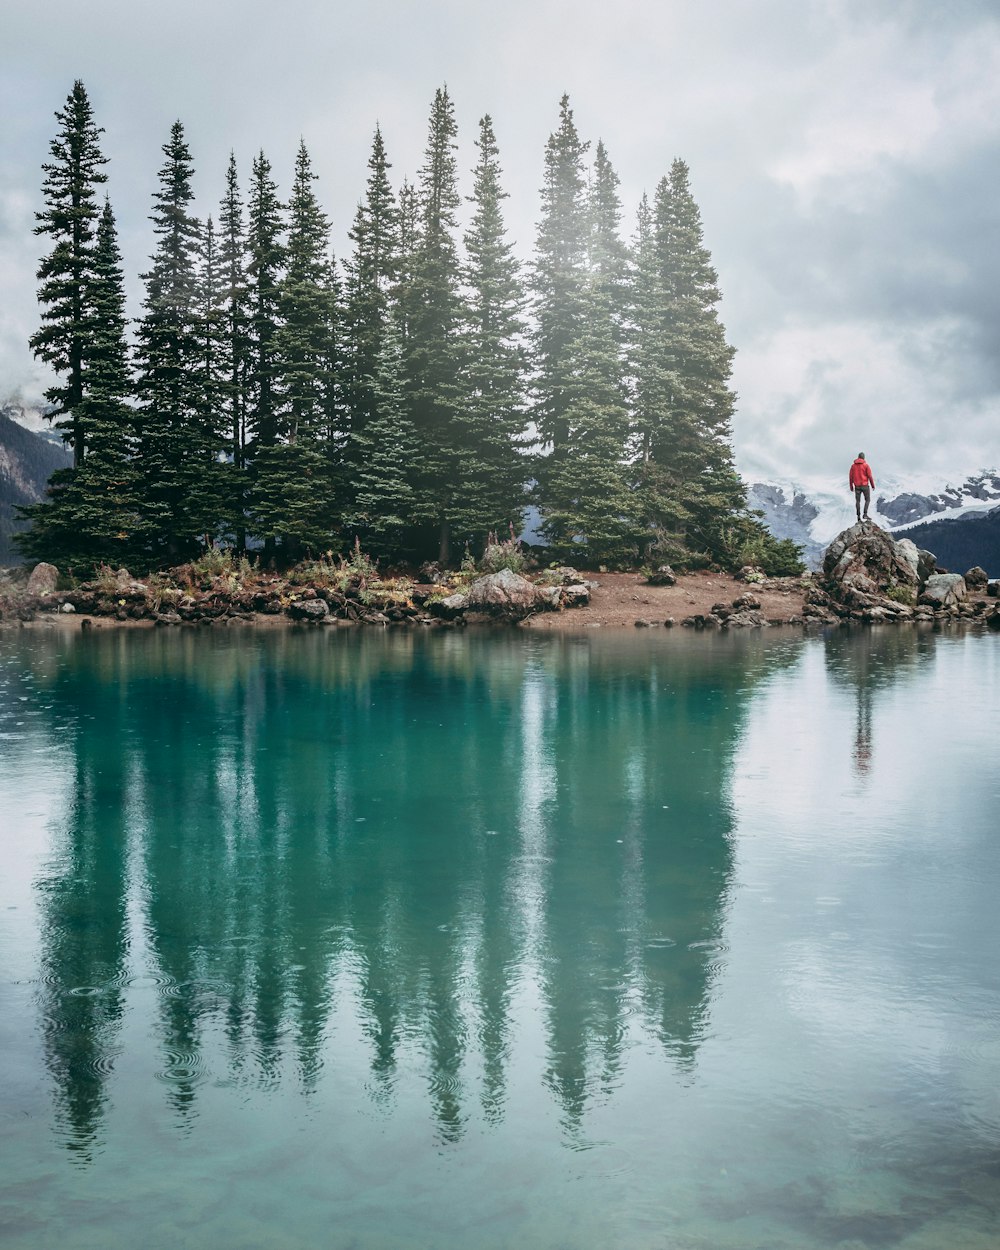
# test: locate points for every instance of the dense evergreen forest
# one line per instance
(414, 395)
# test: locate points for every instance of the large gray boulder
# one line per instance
(504, 594)
(449, 608)
(924, 563)
(308, 610)
(43, 579)
(863, 564)
(944, 590)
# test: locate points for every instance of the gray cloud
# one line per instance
(844, 155)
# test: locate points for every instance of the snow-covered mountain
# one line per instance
(812, 513)
(31, 417)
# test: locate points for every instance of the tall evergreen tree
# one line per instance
(303, 307)
(608, 256)
(211, 328)
(371, 274)
(589, 506)
(266, 253)
(107, 413)
(176, 443)
(334, 404)
(435, 314)
(66, 275)
(293, 499)
(494, 472)
(266, 257)
(386, 505)
(686, 403)
(583, 485)
(559, 277)
(404, 289)
(92, 513)
(236, 306)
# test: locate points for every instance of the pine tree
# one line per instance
(404, 293)
(434, 315)
(235, 299)
(386, 506)
(494, 472)
(266, 253)
(92, 513)
(66, 275)
(371, 274)
(559, 277)
(176, 443)
(583, 486)
(213, 341)
(608, 257)
(293, 498)
(588, 504)
(685, 403)
(107, 414)
(303, 307)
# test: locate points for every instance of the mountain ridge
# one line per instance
(27, 461)
(813, 514)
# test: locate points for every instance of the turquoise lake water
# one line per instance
(383, 940)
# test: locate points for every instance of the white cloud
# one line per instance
(813, 394)
(844, 155)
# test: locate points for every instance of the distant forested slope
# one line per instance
(961, 542)
(26, 463)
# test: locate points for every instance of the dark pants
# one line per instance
(858, 492)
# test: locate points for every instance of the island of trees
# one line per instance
(413, 396)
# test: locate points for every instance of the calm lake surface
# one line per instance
(384, 940)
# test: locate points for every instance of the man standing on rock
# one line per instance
(861, 482)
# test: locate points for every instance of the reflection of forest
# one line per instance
(438, 828)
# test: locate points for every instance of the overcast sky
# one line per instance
(844, 154)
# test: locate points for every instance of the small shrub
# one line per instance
(901, 594)
(213, 562)
(506, 554)
(106, 579)
(322, 573)
(357, 569)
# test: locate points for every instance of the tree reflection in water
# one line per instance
(444, 838)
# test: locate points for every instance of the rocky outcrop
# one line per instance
(863, 564)
(229, 591)
(869, 577)
(743, 613)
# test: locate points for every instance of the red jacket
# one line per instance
(861, 474)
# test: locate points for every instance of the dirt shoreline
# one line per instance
(617, 601)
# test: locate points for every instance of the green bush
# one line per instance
(505, 554)
(901, 594)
